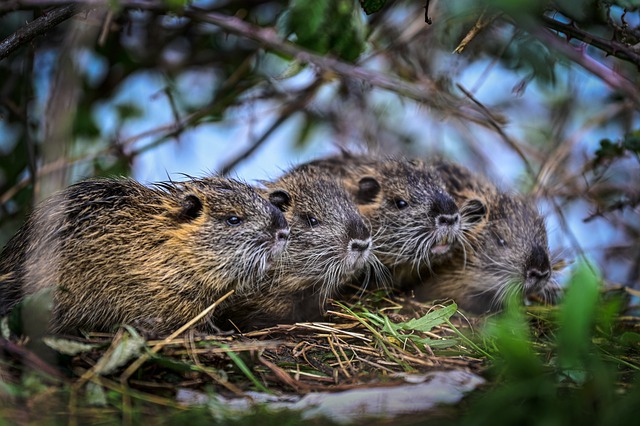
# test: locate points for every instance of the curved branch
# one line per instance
(35, 28)
(611, 47)
(609, 76)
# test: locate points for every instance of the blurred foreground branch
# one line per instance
(35, 28)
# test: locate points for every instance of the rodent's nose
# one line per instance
(447, 219)
(278, 222)
(360, 245)
(443, 204)
(282, 235)
(357, 230)
(538, 265)
(536, 275)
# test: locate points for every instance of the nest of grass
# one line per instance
(374, 341)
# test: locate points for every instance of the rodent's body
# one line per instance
(329, 245)
(508, 252)
(119, 252)
(415, 222)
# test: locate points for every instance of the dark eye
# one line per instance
(501, 242)
(312, 221)
(401, 204)
(233, 221)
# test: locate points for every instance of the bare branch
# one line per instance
(615, 80)
(611, 47)
(287, 112)
(35, 28)
(426, 92)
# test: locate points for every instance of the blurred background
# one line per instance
(543, 97)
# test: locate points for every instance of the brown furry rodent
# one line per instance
(414, 220)
(329, 245)
(119, 252)
(509, 252)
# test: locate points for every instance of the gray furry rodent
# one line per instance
(508, 255)
(119, 252)
(329, 245)
(414, 220)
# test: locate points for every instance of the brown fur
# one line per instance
(119, 252)
(321, 257)
(414, 220)
(509, 249)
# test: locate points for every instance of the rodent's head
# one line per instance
(329, 240)
(234, 232)
(510, 256)
(415, 220)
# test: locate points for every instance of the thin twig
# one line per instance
(611, 47)
(35, 28)
(609, 76)
(138, 363)
(494, 123)
(426, 92)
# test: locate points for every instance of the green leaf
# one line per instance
(372, 6)
(431, 319)
(632, 142)
(127, 110)
(576, 321)
(331, 26)
(608, 150)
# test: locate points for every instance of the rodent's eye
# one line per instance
(310, 220)
(501, 242)
(401, 204)
(233, 221)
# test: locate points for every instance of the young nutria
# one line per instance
(329, 245)
(414, 220)
(508, 253)
(119, 252)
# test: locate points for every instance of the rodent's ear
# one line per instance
(281, 199)
(368, 190)
(473, 211)
(190, 208)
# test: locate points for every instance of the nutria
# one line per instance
(120, 252)
(508, 253)
(329, 245)
(414, 220)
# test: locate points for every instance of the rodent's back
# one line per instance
(120, 252)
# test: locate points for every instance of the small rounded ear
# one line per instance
(368, 190)
(473, 211)
(281, 199)
(190, 208)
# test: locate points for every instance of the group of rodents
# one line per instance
(117, 252)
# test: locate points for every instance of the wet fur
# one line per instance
(506, 243)
(316, 264)
(404, 237)
(119, 252)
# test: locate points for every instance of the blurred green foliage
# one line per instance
(582, 370)
(326, 27)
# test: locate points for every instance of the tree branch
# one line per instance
(611, 47)
(35, 28)
(427, 92)
(613, 79)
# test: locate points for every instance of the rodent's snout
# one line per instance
(448, 219)
(357, 230)
(358, 253)
(282, 235)
(443, 205)
(360, 245)
(538, 269)
(278, 222)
